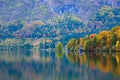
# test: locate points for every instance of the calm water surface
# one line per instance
(37, 64)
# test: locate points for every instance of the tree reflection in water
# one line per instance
(38, 64)
(103, 61)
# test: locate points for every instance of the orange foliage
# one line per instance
(81, 39)
(103, 34)
(91, 36)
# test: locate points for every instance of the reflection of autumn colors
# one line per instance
(50, 65)
(104, 62)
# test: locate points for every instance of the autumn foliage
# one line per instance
(104, 40)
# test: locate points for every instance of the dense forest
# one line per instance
(32, 10)
(68, 20)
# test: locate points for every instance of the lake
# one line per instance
(35, 64)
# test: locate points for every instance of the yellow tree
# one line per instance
(116, 28)
(116, 31)
(109, 40)
(102, 37)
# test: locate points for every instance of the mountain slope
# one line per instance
(31, 10)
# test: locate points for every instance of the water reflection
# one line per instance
(38, 64)
(106, 63)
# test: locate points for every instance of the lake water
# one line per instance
(44, 64)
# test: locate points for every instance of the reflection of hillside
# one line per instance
(106, 63)
(56, 66)
(26, 56)
(42, 69)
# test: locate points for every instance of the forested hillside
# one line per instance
(59, 20)
(31, 10)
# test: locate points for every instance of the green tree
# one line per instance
(59, 47)
(71, 44)
(59, 50)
